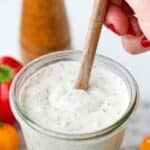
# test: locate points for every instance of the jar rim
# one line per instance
(69, 136)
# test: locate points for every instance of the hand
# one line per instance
(131, 20)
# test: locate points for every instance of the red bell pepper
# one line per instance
(8, 69)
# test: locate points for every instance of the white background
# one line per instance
(79, 12)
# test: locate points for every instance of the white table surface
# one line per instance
(79, 12)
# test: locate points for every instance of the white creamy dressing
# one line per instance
(48, 98)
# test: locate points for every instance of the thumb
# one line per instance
(141, 9)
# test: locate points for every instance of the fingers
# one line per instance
(145, 26)
(135, 45)
(116, 2)
(141, 9)
(127, 9)
(134, 28)
(116, 20)
(121, 20)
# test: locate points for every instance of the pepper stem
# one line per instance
(6, 73)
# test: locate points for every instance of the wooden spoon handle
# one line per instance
(96, 23)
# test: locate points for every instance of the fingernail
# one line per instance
(131, 31)
(112, 28)
(145, 42)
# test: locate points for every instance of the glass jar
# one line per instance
(39, 138)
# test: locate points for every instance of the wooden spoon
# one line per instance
(94, 31)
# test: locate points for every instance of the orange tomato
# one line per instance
(9, 137)
(145, 145)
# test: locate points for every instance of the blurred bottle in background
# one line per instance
(44, 28)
